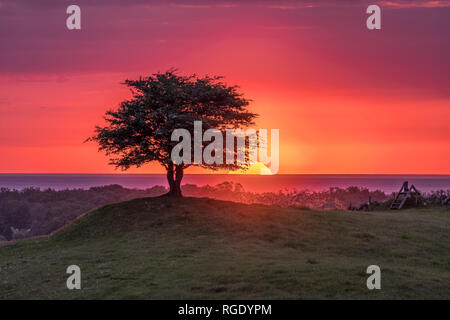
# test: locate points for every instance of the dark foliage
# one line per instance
(140, 130)
(44, 211)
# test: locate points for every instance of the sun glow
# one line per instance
(256, 168)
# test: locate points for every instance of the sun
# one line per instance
(256, 168)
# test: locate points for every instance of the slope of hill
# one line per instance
(188, 248)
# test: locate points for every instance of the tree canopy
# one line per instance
(140, 130)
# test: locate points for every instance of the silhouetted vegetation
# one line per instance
(44, 211)
(32, 212)
(141, 129)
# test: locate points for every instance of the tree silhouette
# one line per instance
(140, 130)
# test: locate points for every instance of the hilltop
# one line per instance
(33, 212)
(188, 248)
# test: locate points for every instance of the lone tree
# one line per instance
(140, 130)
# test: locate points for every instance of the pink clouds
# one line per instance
(416, 4)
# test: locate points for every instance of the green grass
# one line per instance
(197, 248)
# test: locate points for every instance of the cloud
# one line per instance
(286, 28)
(210, 5)
(289, 7)
(416, 4)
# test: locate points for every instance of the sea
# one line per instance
(253, 183)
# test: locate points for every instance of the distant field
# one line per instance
(192, 248)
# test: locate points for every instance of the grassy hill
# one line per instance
(159, 248)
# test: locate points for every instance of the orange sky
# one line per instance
(346, 99)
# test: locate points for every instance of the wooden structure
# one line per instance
(404, 193)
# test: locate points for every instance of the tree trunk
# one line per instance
(174, 177)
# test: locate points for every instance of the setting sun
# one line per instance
(256, 168)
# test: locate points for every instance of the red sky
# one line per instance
(346, 99)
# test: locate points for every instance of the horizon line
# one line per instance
(243, 174)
